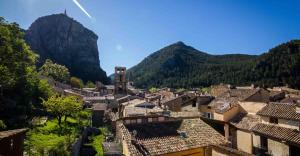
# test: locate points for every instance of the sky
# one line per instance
(130, 30)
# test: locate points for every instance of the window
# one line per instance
(208, 115)
(133, 121)
(274, 120)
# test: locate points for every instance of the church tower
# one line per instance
(120, 80)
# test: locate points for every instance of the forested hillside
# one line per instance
(179, 65)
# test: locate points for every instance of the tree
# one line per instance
(2, 125)
(61, 106)
(76, 82)
(72, 106)
(56, 71)
(19, 79)
(153, 90)
(90, 84)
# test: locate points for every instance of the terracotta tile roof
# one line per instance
(244, 121)
(280, 110)
(281, 133)
(163, 138)
(258, 95)
(226, 100)
(5, 134)
(292, 100)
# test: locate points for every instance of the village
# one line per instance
(226, 120)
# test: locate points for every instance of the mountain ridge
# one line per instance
(180, 65)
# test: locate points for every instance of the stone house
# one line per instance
(278, 133)
(240, 134)
(11, 142)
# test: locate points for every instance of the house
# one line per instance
(240, 134)
(181, 103)
(138, 107)
(98, 112)
(278, 132)
(11, 142)
(161, 135)
(254, 100)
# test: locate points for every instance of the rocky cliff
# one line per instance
(67, 42)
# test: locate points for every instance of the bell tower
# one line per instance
(120, 80)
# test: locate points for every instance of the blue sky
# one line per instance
(130, 30)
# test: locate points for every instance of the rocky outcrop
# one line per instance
(67, 42)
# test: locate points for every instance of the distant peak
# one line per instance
(179, 43)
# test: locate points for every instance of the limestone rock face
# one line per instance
(67, 42)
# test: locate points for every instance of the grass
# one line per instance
(96, 140)
(42, 139)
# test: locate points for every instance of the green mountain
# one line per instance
(179, 65)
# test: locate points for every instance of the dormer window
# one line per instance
(273, 120)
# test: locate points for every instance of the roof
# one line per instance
(5, 134)
(258, 95)
(132, 102)
(99, 106)
(186, 114)
(110, 86)
(280, 110)
(162, 138)
(95, 98)
(244, 121)
(226, 100)
(137, 111)
(281, 133)
(292, 100)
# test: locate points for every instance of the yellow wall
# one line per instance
(226, 116)
(125, 148)
(276, 148)
(192, 152)
(218, 153)
(231, 113)
(256, 140)
(252, 107)
(244, 141)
